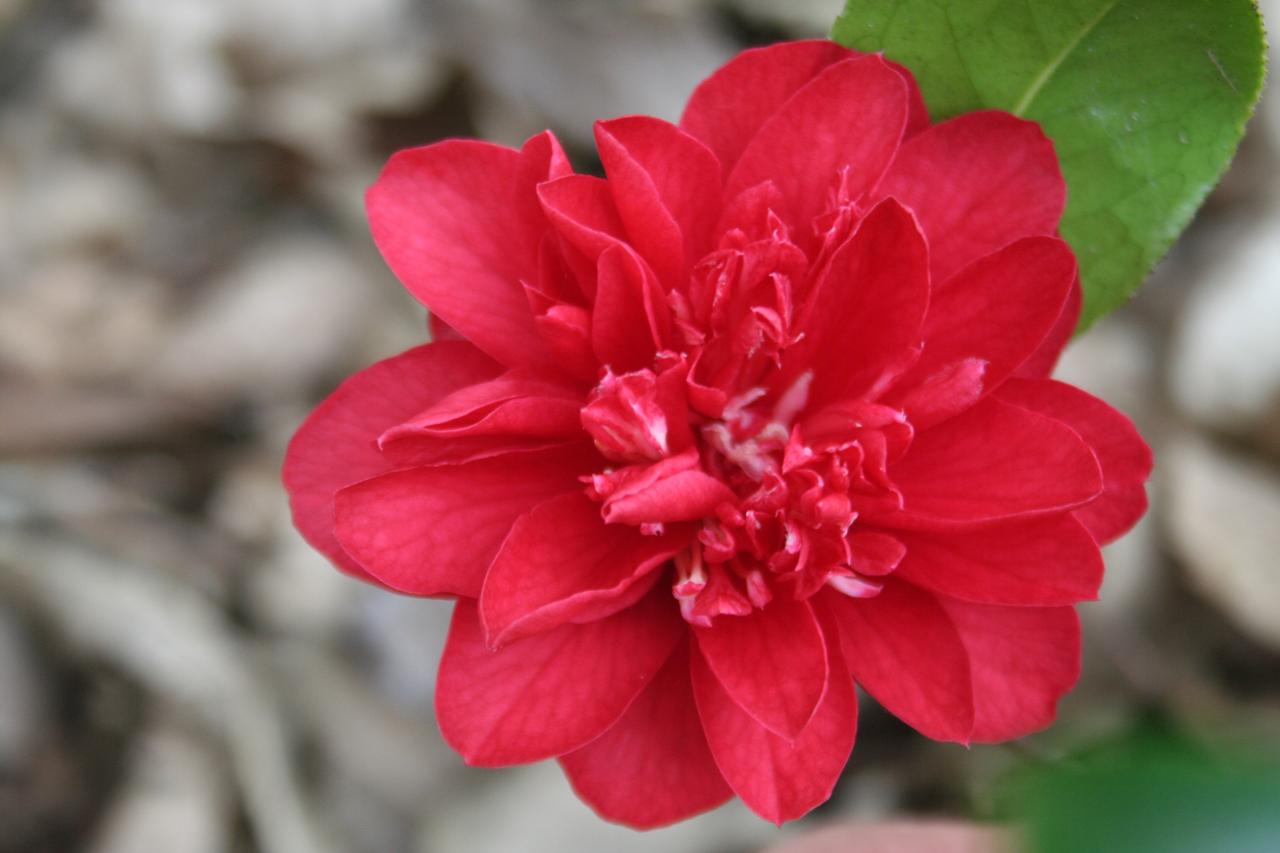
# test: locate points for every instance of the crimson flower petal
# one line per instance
(729, 107)
(653, 767)
(997, 310)
(773, 663)
(433, 531)
(1043, 562)
(850, 117)
(1022, 660)
(562, 563)
(666, 187)
(903, 649)
(959, 473)
(581, 209)
(447, 219)
(337, 444)
(977, 183)
(866, 311)
(780, 779)
(551, 693)
(631, 318)
(1125, 458)
(1042, 362)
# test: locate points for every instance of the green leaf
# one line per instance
(1145, 101)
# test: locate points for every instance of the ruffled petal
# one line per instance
(865, 315)
(977, 183)
(630, 321)
(997, 311)
(337, 444)
(1041, 363)
(666, 186)
(729, 107)
(1022, 661)
(780, 779)
(562, 563)
(773, 662)
(551, 693)
(434, 531)
(448, 219)
(653, 766)
(996, 461)
(850, 119)
(903, 649)
(1040, 562)
(1124, 456)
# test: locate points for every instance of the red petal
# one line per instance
(779, 779)
(519, 404)
(666, 186)
(1040, 562)
(866, 311)
(918, 113)
(653, 766)
(561, 563)
(996, 461)
(998, 310)
(447, 219)
(904, 650)
(552, 693)
(874, 554)
(630, 320)
(977, 183)
(433, 531)
(773, 663)
(1042, 362)
(1022, 659)
(337, 444)
(581, 209)
(729, 107)
(1125, 458)
(851, 115)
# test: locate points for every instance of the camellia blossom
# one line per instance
(761, 414)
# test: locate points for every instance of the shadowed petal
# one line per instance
(433, 531)
(779, 779)
(551, 693)
(337, 444)
(773, 662)
(562, 563)
(653, 766)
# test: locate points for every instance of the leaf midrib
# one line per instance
(1042, 79)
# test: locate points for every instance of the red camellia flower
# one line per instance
(761, 414)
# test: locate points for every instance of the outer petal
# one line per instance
(562, 563)
(1042, 362)
(653, 767)
(977, 183)
(552, 693)
(1125, 458)
(433, 531)
(448, 220)
(851, 116)
(866, 311)
(773, 663)
(729, 107)
(997, 310)
(779, 779)
(996, 461)
(666, 186)
(337, 444)
(1022, 659)
(1041, 562)
(903, 649)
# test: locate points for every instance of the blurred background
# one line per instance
(185, 270)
